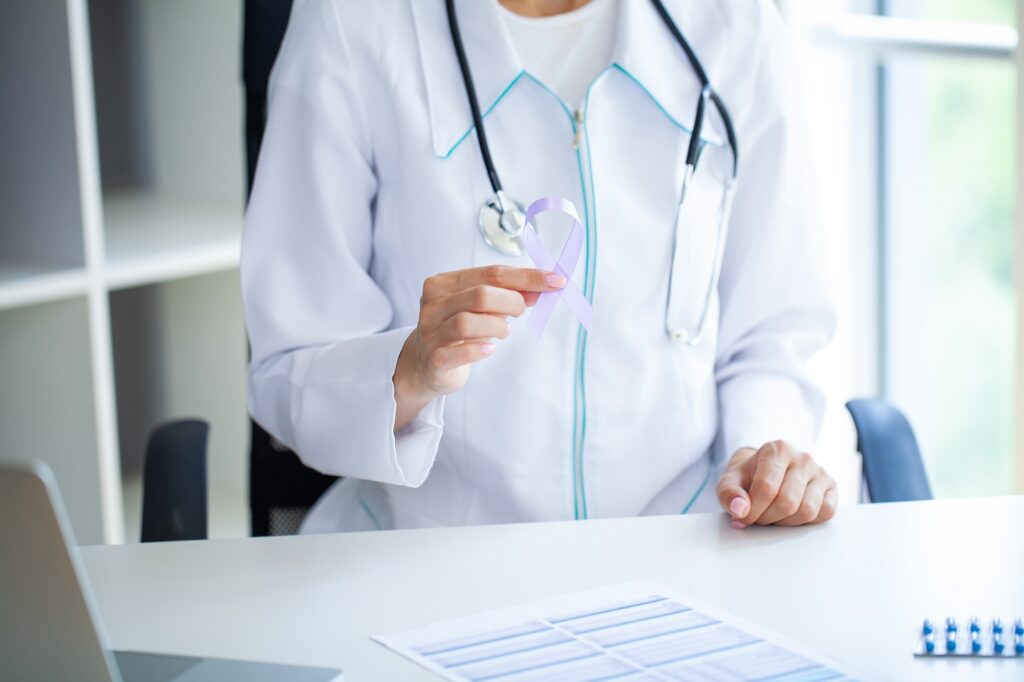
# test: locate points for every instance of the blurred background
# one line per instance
(122, 190)
(912, 111)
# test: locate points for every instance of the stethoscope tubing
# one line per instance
(474, 104)
(708, 93)
(506, 214)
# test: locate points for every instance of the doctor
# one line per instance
(386, 294)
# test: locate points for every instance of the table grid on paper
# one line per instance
(651, 638)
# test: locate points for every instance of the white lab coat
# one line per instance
(370, 180)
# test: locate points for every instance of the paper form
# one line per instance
(636, 631)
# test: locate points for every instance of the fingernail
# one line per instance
(487, 348)
(738, 507)
(738, 525)
(554, 280)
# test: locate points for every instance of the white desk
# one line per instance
(855, 589)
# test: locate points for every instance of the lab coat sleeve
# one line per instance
(323, 350)
(775, 308)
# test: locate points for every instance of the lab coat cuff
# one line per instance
(759, 408)
(414, 446)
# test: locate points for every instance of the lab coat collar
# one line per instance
(644, 51)
(492, 58)
(648, 54)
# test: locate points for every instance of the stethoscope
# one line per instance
(502, 220)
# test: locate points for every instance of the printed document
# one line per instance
(636, 631)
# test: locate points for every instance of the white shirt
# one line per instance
(566, 51)
(370, 180)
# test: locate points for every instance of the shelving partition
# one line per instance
(121, 196)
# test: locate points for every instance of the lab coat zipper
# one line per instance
(579, 405)
(580, 394)
(577, 119)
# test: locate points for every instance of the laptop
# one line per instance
(49, 627)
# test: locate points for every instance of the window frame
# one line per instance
(881, 36)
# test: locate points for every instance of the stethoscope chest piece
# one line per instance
(502, 228)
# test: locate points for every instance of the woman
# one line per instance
(389, 343)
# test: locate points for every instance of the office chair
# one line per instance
(174, 482)
(893, 470)
(281, 487)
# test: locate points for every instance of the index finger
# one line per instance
(733, 486)
(509, 277)
(769, 474)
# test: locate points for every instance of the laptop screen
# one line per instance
(47, 631)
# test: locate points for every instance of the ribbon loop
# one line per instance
(564, 266)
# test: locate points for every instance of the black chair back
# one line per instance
(174, 482)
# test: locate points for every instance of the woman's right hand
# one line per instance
(461, 313)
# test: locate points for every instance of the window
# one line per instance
(914, 127)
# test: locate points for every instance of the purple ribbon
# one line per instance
(565, 265)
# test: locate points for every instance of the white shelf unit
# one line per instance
(26, 283)
(121, 197)
(152, 238)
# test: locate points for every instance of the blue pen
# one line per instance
(997, 636)
(928, 632)
(975, 630)
(951, 634)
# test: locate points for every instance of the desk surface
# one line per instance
(855, 589)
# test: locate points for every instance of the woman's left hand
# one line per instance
(776, 484)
